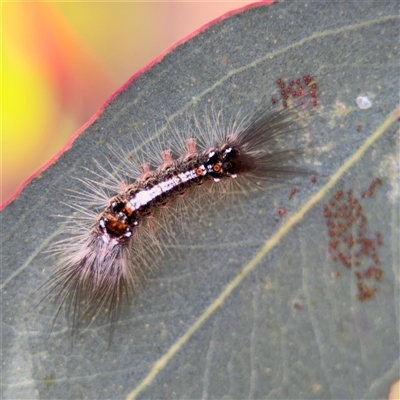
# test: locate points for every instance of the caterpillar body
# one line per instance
(107, 250)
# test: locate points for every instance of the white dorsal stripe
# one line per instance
(145, 197)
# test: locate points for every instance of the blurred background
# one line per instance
(62, 61)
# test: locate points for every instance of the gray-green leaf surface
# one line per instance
(290, 328)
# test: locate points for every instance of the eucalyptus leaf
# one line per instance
(289, 328)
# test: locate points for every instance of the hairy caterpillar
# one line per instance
(110, 246)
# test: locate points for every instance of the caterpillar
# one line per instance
(112, 243)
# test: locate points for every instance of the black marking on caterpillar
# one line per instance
(108, 250)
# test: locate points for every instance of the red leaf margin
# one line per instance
(158, 59)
